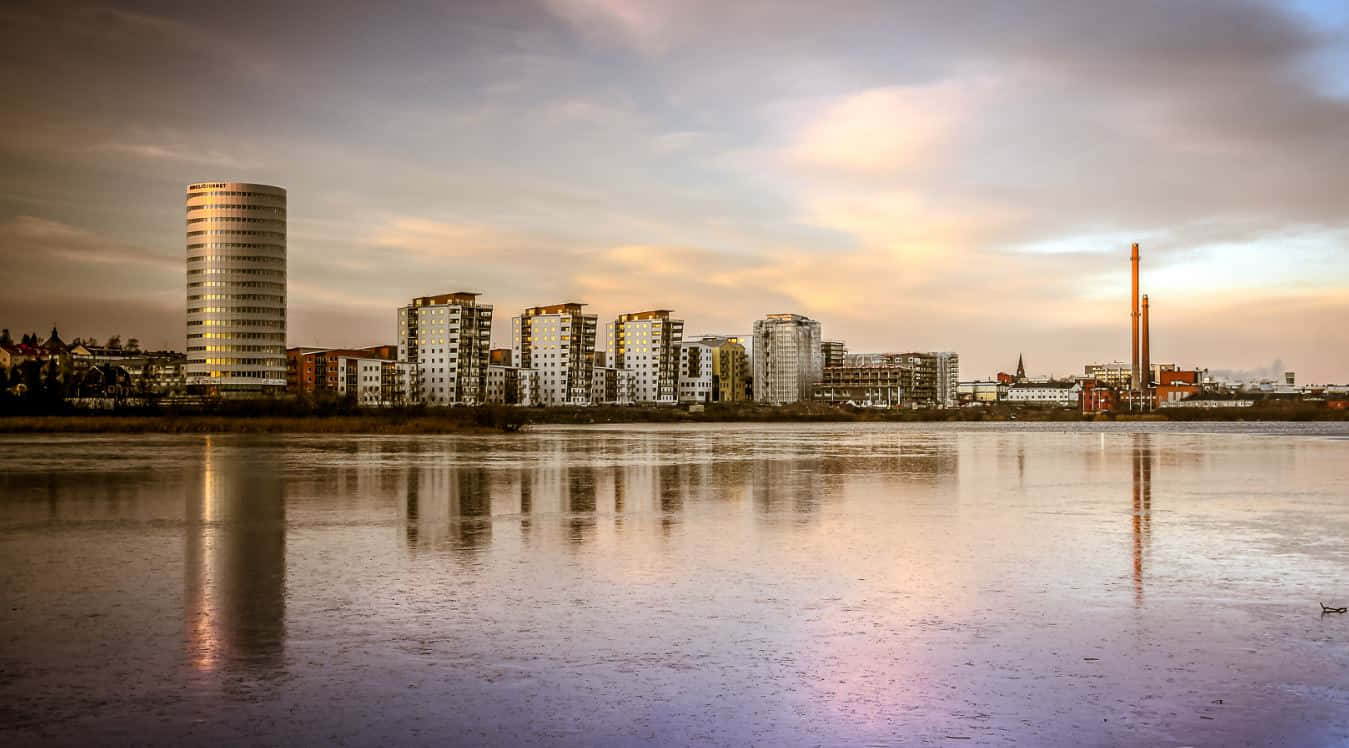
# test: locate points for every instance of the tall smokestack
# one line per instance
(1147, 359)
(1133, 299)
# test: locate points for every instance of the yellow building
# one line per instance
(730, 370)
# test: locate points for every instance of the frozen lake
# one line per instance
(836, 584)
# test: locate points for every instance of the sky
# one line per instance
(959, 175)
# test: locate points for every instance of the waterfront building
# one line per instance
(361, 379)
(150, 372)
(1175, 385)
(787, 358)
(694, 371)
(613, 386)
(832, 352)
(731, 371)
(317, 370)
(300, 374)
(1054, 393)
(511, 385)
(647, 343)
(1115, 374)
(558, 341)
(370, 375)
(449, 339)
(236, 288)
(981, 391)
(398, 383)
(1099, 396)
(933, 378)
(1229, 403)
(867, 385)
(947, 376)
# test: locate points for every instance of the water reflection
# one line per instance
(235, 560)
(1142, 507)
(742, 584)
(451, 499)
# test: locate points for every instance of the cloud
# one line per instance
(959, 175)
(49, 239)
(884, 130)
(173, 153)
(644, 25)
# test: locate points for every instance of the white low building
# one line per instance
(375, 382)
(1045, 394)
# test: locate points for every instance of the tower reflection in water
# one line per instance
(1142, 507)
(235, 560)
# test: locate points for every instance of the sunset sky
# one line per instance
(946, 175)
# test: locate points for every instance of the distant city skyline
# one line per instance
(948, 177)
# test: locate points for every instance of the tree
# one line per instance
(91, 342)
(147, 376)
(115, 342)
(53, 389)
(133, 345)
(5, 339)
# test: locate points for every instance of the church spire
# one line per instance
(1020, 367)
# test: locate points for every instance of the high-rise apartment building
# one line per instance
(787, 358)
(236, 288)
(449, 339)
(558, 342)
(646, 344)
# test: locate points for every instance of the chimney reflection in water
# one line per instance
(234, 600)
(1142, 507)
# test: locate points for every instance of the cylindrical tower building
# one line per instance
(236, 287)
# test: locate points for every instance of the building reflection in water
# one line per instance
(586, 487)
(235, 560)
(580, 502)
(1142, 507)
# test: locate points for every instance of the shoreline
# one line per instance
(497, 420)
